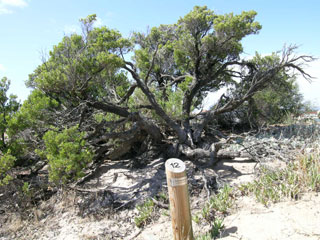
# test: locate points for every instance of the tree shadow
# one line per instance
(129, 187)
(228, 231)
(228, 173)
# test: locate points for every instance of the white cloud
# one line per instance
(14, 3)
(69, 29)
(311, 91)
(4, 10)
(7, 5)
(98, 22)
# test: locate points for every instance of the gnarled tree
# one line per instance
(122, 102)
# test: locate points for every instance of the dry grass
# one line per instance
(272, 186)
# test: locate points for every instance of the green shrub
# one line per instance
(67, 154)
(217, 227)
(6, 163)
(309, 167)
(220, 202)
(274, 185)
(223, 200)
(218, 205)
(145, 213)
(26, 189)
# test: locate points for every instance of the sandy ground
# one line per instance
(285, 220)
(57, 220)
(250, 220)
(294, 220)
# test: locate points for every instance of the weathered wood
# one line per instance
(179, 199)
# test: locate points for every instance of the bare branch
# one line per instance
(161, 113)
(144, 106)
(151, 66)
(175, 80)
(128, 94)
(103, 125)
(259, 79)
(108, 107)
(123, 135)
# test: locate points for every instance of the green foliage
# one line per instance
(34, 113)
(206, 236)
(195, 44)
(289, 119)
(145, 212)
(34, 116)
(8, 106)
(216, 228)
(217, 205)
(278, 99)
(82, 67)
(67, 154)
(100, 116)
(10, 146)
(88, 80)
(26, 189)
(196, 218)
(172, 102)
(272, 186)
(7, 162)
(223, 200)
(220, 202)
(207, 29)
(274, 102)
(163, 197)
(309, 167)
(89, 20)
(275, 105)
(275, 185)
(172, 69)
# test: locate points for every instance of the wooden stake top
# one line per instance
(175, 165)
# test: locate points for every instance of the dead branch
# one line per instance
(160, 204)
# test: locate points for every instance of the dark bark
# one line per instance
(122, 135)
(182, 136)
(258, 79)
(109, 107)
(199, 83)
(128, 94)
(142, 122)
(149, 127)
(125, 147)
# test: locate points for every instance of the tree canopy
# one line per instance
(124, 94)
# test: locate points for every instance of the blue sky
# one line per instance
(29, 28)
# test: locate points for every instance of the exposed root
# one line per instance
(160, 204)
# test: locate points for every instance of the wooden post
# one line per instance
(179, 199)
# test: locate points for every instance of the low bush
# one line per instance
(7, 162)
(145, 212)
(274, 185)
(220, 202)
(67, 155)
